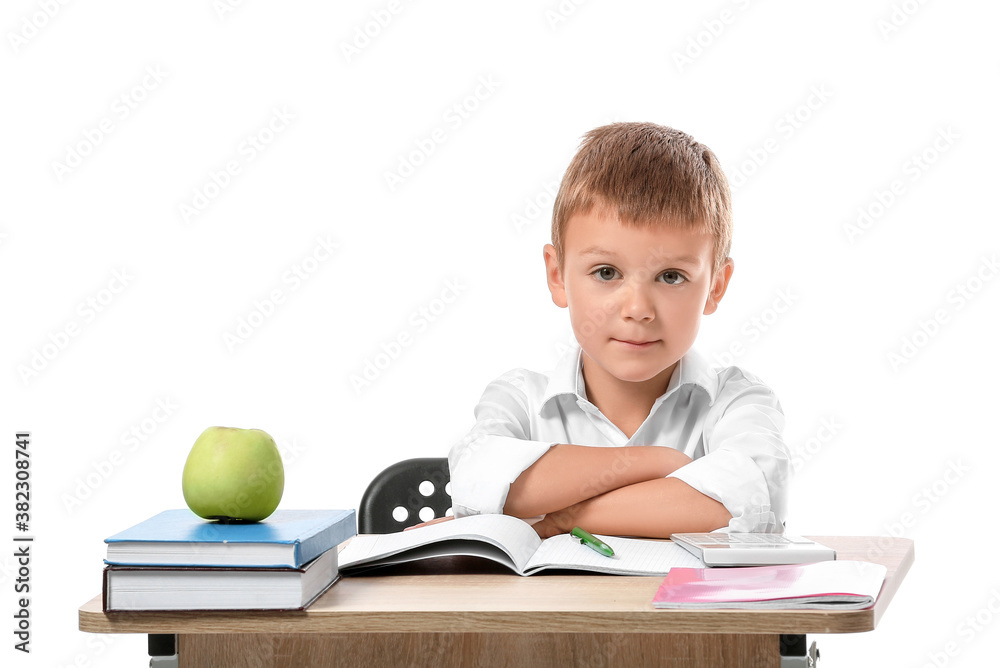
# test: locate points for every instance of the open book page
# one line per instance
(514, 537)
(451, 547)
(632, 556)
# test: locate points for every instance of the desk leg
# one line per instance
(315, 650)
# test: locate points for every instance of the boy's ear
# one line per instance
(553, 274)
(719, 284)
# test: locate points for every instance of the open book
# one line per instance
(513, 543)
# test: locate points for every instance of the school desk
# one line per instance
(465, 612)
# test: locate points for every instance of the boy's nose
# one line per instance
(636, 304)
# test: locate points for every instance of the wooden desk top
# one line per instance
(471, 595)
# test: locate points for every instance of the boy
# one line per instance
(632, 433)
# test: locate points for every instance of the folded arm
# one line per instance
(648, 509)
(745, 468)
(570, 474)
(498, 468)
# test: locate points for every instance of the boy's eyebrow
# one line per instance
(680, 259)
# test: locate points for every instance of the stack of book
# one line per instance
(178, 561)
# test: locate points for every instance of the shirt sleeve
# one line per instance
(495, 451)
(746, 463)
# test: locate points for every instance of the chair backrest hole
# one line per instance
(447, 488)
(393, 498)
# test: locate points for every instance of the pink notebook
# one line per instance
(824, 585)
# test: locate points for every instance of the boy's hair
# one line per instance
(647, 174)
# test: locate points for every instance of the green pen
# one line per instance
(592, 542)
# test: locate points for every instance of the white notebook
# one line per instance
(513, 543)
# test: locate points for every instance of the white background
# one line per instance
(814, 109)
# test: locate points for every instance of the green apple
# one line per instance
(233, 474)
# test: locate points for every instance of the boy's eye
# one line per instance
(605, 273)
(672, 278)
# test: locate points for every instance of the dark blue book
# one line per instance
(286, 539)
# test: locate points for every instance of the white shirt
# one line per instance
(726, 420)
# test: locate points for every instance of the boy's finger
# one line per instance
(436, 520)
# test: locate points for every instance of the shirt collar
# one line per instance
(567, 377)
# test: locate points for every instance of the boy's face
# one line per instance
(635, 295)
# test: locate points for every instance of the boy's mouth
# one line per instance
(635, 344)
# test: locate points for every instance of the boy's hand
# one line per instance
(555, 523)
(436, 520)
(545, 528)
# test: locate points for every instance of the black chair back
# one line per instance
(412, 484)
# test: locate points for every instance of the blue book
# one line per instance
(286, 539)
